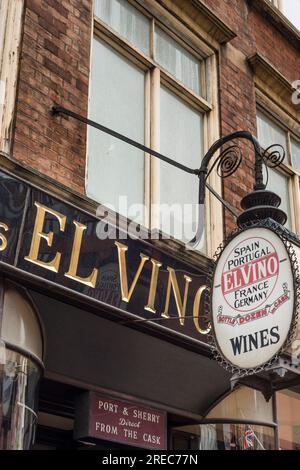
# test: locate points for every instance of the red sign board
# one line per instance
(124, 422)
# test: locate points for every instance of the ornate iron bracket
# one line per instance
(227, 162)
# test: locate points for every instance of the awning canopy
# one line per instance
(98, 353)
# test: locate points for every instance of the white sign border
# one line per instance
(283, 234)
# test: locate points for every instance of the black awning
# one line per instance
(85, 349)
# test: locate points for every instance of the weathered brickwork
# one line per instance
(255, 33)
(54, 68)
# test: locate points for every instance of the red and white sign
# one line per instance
(253, 298)
(106, 418)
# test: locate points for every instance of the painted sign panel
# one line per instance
(120, 421)
(253, 298)
(57, 242)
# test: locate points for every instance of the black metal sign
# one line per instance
(49, 239)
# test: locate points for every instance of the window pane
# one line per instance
(225, 436)
(295, 154)
(116, 101)
(279, 183)
(288, 412)
(291, 9)
(126, 20)
(243, 404)
(19, 379)
(269, 133)
(176, 60)
(181, 139)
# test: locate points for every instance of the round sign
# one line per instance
(252, 298)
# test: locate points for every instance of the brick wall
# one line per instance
(237, 97)
(237, 92)
(255, 32)
(54, 68)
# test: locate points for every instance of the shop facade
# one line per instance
(105, 340)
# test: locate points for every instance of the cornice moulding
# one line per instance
(270, 80)
(222, 32)
(278, 20)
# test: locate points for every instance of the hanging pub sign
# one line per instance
(254, 296)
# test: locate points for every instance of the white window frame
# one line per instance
(155, 76)
(11, 16)
(286, 168)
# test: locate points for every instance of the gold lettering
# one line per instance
(127, 293)
(181, 306)
(3, 238)
(72, 273)
(38, 234)
(153, 286)
(196, 313)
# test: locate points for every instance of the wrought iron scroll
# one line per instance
(272, 157)
(226, 163)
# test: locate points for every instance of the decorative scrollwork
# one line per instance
(274, 155)
(229, 161)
